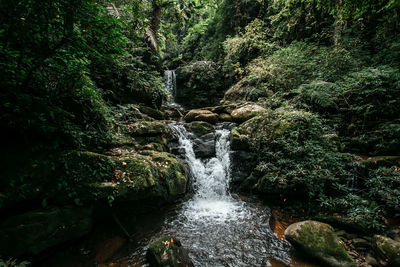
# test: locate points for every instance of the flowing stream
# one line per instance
(217, 228)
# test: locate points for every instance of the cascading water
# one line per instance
(170, 83)
(218, 229)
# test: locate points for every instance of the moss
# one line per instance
(319, 241)
(154, 113)
(239, 141)
(200, 127)
(147, 128)
(201, 115)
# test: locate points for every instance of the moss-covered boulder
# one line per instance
(167, 251)
(143, 176)
(389, 249)
(319, 241)
(201, 115)
(152, 112)
(200, 127)
(147, 128)
(246, 112)
(36, 231)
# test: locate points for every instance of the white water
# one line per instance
(170, 83)
(218, 229)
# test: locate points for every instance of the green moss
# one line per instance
(147, 128)
(200, 127)
(319, 241)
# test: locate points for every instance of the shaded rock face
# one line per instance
(318, 240)
(389, 249)
(35, 231)
(199, 84)
(168, 251)
(204, 146)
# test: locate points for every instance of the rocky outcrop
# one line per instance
(319, 241)
(389, 249)
(168, 251)
(36, 231)
(246, 112)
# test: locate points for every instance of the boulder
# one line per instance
(201, 115)
(246, 112)
(204, 147)
(168, 251)
(320, 242)
(200, 127)
(143, 176)
(147, 128)
(389, 249)
(36, 231)
(225, 117)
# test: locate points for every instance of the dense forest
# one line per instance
(297, 100)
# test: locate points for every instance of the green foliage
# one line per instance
(14, 263)
(383, 186)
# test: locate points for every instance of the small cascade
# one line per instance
(170, 83)
(218, 228)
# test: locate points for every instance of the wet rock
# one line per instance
(388, 248)
(36, 231)
(246, 112)
(200, 127)
(204, 147)
(243, 163)
(201, 115)
(168, 251)
(319, 241)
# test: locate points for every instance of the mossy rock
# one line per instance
(239, 141)
(389, 249)
(36, 231)
(201, 115)
(148, 175)
(271, 125)
(246, 112)
(147, 128)
(200, 127)
(152, 112)
(319, 241)
(167, 251)
(225, 117)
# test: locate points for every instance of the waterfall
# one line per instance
(218, 228)
(170, 83)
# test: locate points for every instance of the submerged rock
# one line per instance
(389, 249)
(318, 240)
(168, 251)
(201, 115)
(36, 231)
(247, 112)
